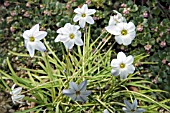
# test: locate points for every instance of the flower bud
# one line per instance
(147, 47)
(163, 44)
(12, 29)
(164, 61)
(123, 5)
(13, 13)
(126, 11)
(68, 6)
(169, 64)
(145, 14)
(28, 4)
(26, 14)
(140, 28)
(9, 19)
(6, 3)
(88, 1)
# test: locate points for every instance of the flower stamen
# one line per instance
(83, 15)
(77, 92)
(32, 39)
(122, 65)
(71, 36)
(124, 32)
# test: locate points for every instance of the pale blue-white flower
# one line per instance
(83, 15)
(122, 65)
(124, 32)
(77, 92)
(15, 94)
(114, 20)
(132, 108)
(69, 35)
(105, 111)
(32, 39)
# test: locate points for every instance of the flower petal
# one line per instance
(18, 97)
(126, 110)
(13, 86)
(130, 27)
(78, 11)
(140, 110)
(123, 74)
(30, 49)
(90, 11)
(129, 60)
(77, 17)
(68, 92)
(34, 29)
(40, 46)
(106, 111)
(83, 98)
(89, 20)
(78, 41)
(128, 105)
(83, 85)
(69, 44)
(27, 34)
(130, 69)
(134, 105)
(112, 21)
(110, 29)
(16, 91)
(132, 35)
(126, 40)
(84, 8)
(57, 39)
(74, 86)
(39, 35)
(115, 72)
(115, 63)
(85, 93)
(121, 57)
(118, 39)
(82, 23)
(76, 28)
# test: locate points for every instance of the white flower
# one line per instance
(122, 65)
(114, 20)
(32, 39)
(16, 97)
(77, 92)
(83, 15)
(132, 108)
(106, 111)
(69, 34)
(124, 32)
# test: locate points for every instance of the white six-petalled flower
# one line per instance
(122, 65)
(83, 15)
(69, 34)
(15, 94)
(32, 39)
(124, 32)
(114, 20)
(132, 108)
(77, 92)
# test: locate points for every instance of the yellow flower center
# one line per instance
(77, 92)
(124, 32)
(132, 110)
(71, 36)
(83, 15)
(32, 39)
(122, 65)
